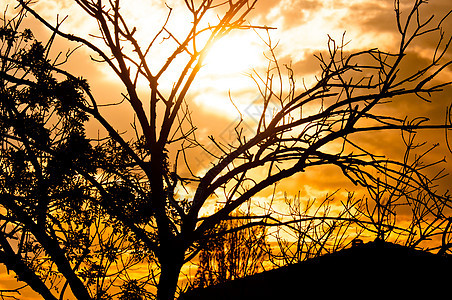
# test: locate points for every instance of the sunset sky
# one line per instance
(301, 30)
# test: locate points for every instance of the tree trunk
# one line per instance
(171, 263)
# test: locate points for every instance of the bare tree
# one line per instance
(429, 214)
(232, 254)
(142, 197)
(311, 228)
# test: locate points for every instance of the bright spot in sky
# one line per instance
(232, 55)
(225, 69)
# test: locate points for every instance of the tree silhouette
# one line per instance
(74, 198)
(51, 223)
(38, 117)
(232, 254)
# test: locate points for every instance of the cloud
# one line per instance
(370, 16)
(291, 13)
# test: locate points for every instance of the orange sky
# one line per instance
(302, 29)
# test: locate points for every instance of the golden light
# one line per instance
(225, 72)
(233, 55)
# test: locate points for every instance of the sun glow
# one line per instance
(225, 71)
(233, 54)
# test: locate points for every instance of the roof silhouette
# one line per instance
(366, 271)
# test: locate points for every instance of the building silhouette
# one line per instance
(374, 270)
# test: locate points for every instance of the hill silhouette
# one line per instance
(367, 271)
